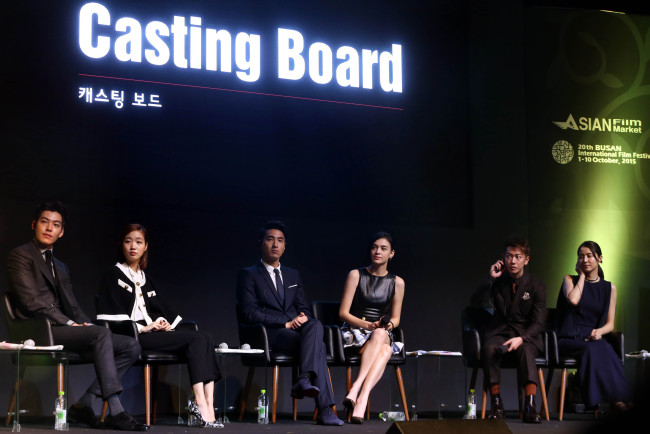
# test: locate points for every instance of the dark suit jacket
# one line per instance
(33, 286)
(259, 302)
(527, 315)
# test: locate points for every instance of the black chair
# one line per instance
(151, 360)
(40, 331)
(474, 322)
(615, 339)
(256, 336)
(328, 313)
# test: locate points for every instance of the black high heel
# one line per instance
(349, 404)
(194, 409)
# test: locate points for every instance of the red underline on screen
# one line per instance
(241, 91)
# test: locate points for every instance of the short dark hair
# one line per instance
(273, 224)
(518, 242)
(378, 235)
(54, 206)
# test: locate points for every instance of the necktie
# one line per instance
(49, 262)
(278, 284)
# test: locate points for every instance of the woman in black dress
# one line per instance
(126, 293)
(371, 309)
(586, 308)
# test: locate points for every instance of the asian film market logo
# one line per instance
(562, 151)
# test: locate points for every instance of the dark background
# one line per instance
(445, 174)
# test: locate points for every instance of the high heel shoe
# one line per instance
(356, 420)
(194, 410)
(349, 404)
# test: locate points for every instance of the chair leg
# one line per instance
(400, 383)
(483, 402)
(147, 393)
(12, 402)
(102, 417)
(294, 378)
(348, 385)
(274, 403)
(562, 392)
(520, 395)
(247, 387)
(542, 389)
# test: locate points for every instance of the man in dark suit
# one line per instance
(41, 286)
(270, 294)
(519, 303)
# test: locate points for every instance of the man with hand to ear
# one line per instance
(519, 303)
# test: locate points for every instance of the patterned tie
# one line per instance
(278, 285)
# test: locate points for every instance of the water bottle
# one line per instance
(263, 408)
(471, 405)
(392, 416)
(60, 409)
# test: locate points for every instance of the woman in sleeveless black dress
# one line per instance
(586, 308)
(371, 309)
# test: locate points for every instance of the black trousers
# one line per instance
(197, 346)
(308, 342)
(112, 354)
(524, 355)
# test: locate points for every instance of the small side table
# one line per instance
(438, 355)
(222, 352)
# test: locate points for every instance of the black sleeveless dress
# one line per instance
(373, 298)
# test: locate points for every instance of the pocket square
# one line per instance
(526, 296)
(292, 286)
(151, 293)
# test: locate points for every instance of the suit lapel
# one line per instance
(269, 284)
(42, 266)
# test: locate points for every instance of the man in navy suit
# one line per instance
(40, 284)
(271, 294)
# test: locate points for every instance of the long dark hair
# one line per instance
(595, 250)
(144, 260)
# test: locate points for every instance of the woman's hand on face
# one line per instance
(578, 269)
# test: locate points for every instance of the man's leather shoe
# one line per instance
(496, 410)
(80, 413)
(326, 416)
(124, 422)
(304, 388)
(530, 410)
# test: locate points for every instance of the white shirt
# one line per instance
(270, 269)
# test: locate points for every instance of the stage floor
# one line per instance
(573, 424)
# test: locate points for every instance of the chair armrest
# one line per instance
(255, 335)
(553, 351)
(37, 329)
(187, 325)
(616, 340)
(471, 345)
(126, 327)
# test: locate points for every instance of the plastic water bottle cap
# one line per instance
(263, 390)
(61, 392)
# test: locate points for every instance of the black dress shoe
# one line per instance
(80, 413)
(530, 410)
(124, 422)
(304, 388)
(496, 410)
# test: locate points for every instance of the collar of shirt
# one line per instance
(269, 269)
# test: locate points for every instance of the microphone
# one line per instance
(384, 321)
